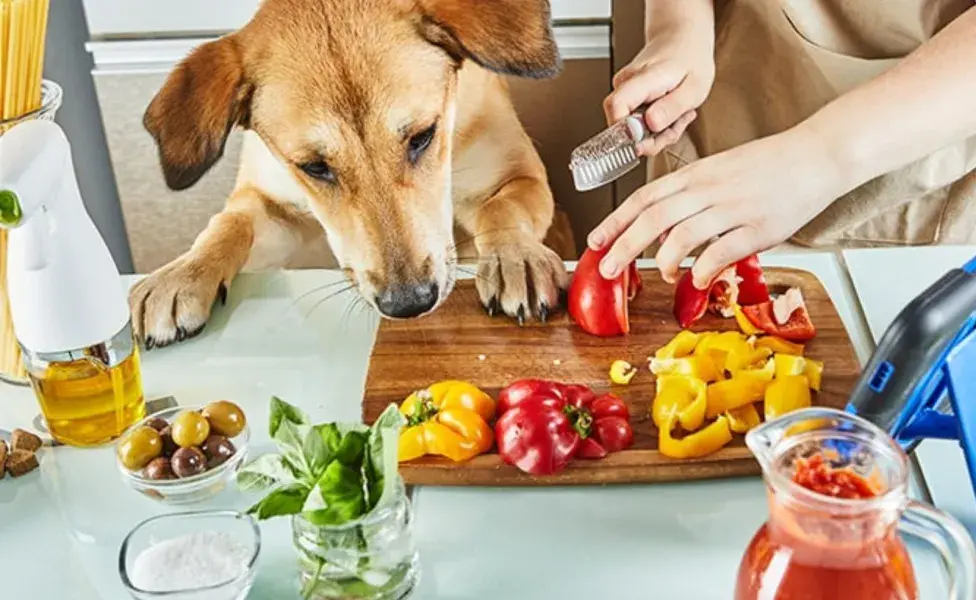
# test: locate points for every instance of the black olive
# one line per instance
(158, 423)
(159, 468)
(188, 462)
(169, 445)
(217, 449)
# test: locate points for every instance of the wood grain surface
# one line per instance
(460, 341)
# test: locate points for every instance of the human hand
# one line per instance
(672, 74)
(745, 200)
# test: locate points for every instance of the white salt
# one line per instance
(191, 561)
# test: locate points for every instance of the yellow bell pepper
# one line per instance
(746, 358)
(699, 367)
(734, 393)
(788, 365)
(621, 372)
(786, 394)
(779, 346)
(449, 418)
(685, 397)
(814, 372)
(680, 345)
(744, 323)
(701, 443)
(741, 420)
(704, 343)
(764, 373)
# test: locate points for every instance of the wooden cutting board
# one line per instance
(460, 341)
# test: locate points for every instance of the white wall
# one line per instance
(67, 63)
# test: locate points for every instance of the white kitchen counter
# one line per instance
(886, 280)
(61, 526)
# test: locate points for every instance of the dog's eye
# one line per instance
(319, 170)
(419, 143)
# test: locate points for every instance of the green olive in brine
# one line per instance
(138, 447)
(189, 429)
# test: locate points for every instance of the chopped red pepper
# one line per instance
(815, 475)
(600, 306)
(742, 283)
(798, 327)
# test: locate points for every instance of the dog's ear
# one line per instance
(513, 37)
(192, 115)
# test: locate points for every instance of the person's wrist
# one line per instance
(837, 155)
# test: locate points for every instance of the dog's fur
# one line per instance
(335, 97)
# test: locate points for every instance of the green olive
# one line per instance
(139, 446)
(189, 428)
(226, 418)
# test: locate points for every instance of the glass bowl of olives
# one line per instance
(181, 454)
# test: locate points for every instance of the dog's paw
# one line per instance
(521, 279)
(173, 303)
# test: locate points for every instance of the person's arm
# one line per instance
(924, 103)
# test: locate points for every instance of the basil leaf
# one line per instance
(263, 473)
(338, 497)
(289, 438)
(317, 452)
(352, 449)
(331, 436)
(280, 412)
(380, 468)
(287, 500)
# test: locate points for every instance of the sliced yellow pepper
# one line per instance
(786, 394)
(701, 443)
(814, 372)
(686, 397)
(699, 367)
(449, 418)
(680, 345)
(741, 420)
(744, 323)
(779, 346)
(621, 372)
(788, 364)
(746, 358)
(764, 373)
(734, 393)
(704, 342)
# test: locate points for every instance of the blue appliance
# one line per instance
(921, 381)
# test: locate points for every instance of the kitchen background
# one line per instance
(111, 56)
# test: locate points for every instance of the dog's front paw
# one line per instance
(520, 279)
(173, 303)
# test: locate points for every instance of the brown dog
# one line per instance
(382, 122)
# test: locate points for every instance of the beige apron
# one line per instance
(779, 61)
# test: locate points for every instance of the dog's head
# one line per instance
(357, 100)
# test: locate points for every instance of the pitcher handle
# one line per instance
(951, 540)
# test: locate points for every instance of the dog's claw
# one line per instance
(544, 312)
(180, 334)
(520, 315)
(492, 307)
(222, 292)
(150, 343)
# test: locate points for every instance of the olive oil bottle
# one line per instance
(67, 302)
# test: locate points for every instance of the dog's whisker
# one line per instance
(320, 288)
(329, 297)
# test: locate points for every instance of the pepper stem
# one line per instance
(581, 419)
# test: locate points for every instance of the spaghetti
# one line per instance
(23, 26)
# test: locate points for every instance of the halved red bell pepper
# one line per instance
(742, 283)
(795, 325)
(600, 306)
(544, 424)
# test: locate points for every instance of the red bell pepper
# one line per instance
(544, 424)
(742, 283)
(785, 317)
(600, 306)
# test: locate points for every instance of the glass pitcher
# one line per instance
(815, 546)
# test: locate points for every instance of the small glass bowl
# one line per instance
(242, 528)
(188, 489)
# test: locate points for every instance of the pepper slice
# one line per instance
(778, 345)
(744, 323)
(788, 365)
(685, 396)
(621, 372)
(449, 418)
(741, 420)
(699, 367)
(742, 283)
(701, 443)
(680, 345)
(785, 395)
(734, 393)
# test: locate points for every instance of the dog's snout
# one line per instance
(408, 300)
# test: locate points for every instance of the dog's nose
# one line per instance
(407, 300)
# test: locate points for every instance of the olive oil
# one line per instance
(87, 403)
